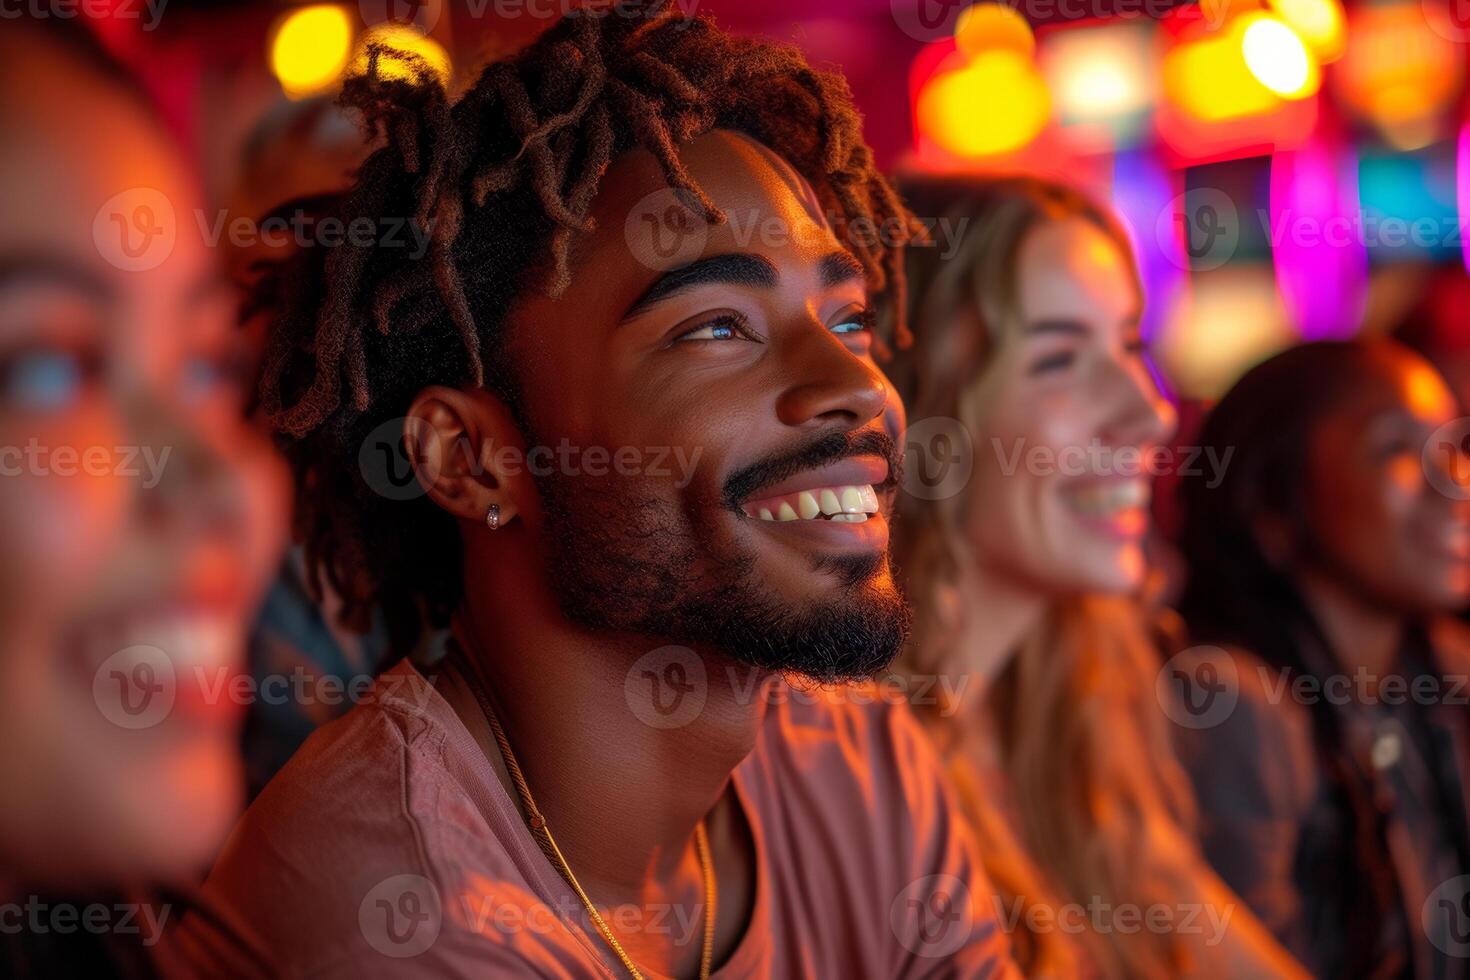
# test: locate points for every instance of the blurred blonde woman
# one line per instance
(1024, 579)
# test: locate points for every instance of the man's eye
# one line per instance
(720, 328)
(857, 322)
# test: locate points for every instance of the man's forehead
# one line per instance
(765, 200)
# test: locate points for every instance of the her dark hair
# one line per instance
(1236, 595)
(503, 179)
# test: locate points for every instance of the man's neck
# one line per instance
(623, 796)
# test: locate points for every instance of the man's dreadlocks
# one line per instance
(501, 180)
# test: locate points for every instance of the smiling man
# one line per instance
(646, 245)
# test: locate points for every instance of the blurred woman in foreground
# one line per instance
(1022, 581)
(138, 516)
(1333, 761)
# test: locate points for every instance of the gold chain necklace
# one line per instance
(542, 833)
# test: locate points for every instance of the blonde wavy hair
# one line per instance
(1071, 718)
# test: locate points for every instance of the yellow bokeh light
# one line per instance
(310, 49)
(1321, 24)
(995, 104)
(1278, 58)
(1209, 80)
(402, 38)
(993, 27)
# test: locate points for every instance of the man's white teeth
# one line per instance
(849, 505)
(1105, 499)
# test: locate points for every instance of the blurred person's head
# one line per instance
(731, 380)
(1328, 482)
(1031, 342)
(138, 515)
(1028, 341)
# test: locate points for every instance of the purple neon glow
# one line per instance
(1462, 189)
(1143, 189)
(1320, 258)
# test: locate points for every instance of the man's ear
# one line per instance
(466, 450)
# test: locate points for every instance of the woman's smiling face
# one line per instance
(140, 517)
(1063, 414)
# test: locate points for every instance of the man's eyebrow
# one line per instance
(732, 269)
(840, 267)
(24, 269)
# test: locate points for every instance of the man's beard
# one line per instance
(623, 555)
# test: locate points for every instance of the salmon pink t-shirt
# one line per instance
(388, 846)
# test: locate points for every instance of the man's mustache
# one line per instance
(831, 448)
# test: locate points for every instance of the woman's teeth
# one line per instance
(1107, 499)
(850, 505)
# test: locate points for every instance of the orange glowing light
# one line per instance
(995, 104)
(993, 27)
(402, 38)
(309, 49)
(1397, 72)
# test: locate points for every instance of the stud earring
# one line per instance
(492, 517)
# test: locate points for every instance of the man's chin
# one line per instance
(836, 641)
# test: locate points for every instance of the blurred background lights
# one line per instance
(310, 49)
(1319, 23)
(995, 104)
(1278, 59)
(993, 27)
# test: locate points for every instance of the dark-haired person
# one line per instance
(605, 774)
(139, 519)
(1331, 747)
